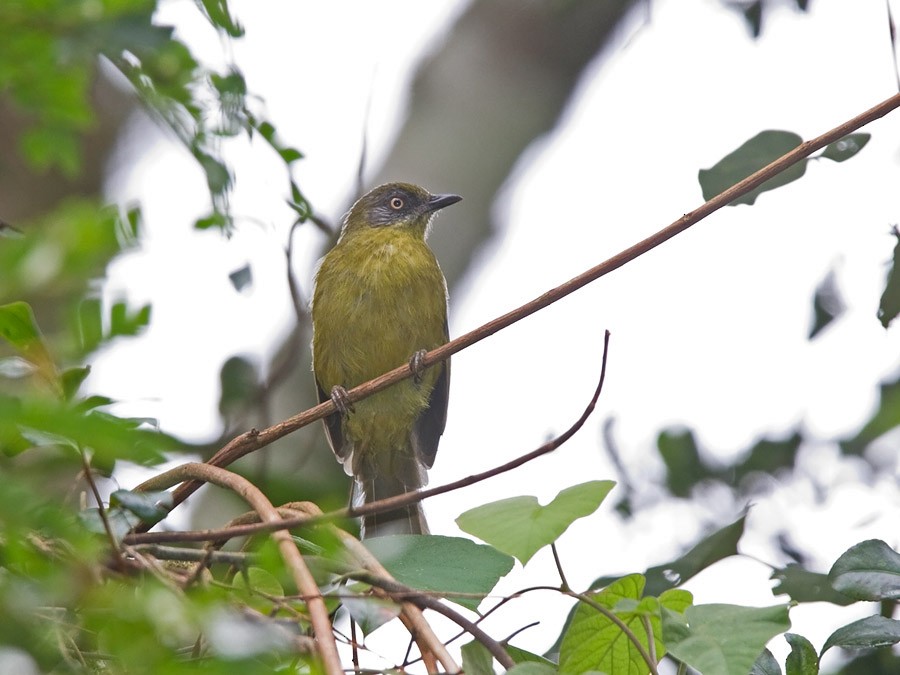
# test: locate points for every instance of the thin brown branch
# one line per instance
(254, 439)
(181, 554)
(171, 476)
(101, 510)
(411, 615)
(426, 601)
(562, 575)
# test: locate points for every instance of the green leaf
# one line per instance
(753, 155)
(120, 521)
(19, 327)
(442, 564)
(869, 570)
(239, 385)
(805, 586)
(889, 307)
(260, 587)
(803, 659)
(370, 612)
(520, 526)
(520, 655)
(476, 659)
(48, 147)
(532, 668)
(765, 665)
(109, 437)
(594, 642)
(92, 402)
(220, 16)
(218, 220)
(123, 323)
(290, 155)
(723, 639)
(241, 278)
(885, 418)
(711, 549)
(846, 147)
(90, 324)
(873, 631)
(71, 380)
(148, 506)
(684, 466)
(828, 304)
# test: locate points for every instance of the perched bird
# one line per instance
(380, 300)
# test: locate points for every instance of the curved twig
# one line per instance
(381, 505)
(414, 620)
(293, 560)
(254, 439)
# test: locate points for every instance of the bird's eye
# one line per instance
(396, 203)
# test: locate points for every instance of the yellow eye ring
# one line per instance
(396, 203)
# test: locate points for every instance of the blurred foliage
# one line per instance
(889, 307)
(754, 11)
(828, 304)
(73, 598)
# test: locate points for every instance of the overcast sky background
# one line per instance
(708, 331)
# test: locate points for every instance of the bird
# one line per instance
(379, 301)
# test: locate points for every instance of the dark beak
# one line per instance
(437, 202)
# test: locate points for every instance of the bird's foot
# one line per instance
(417, 365)
(341, 400)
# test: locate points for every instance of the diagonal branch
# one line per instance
(174, 475)
(411, 614)
(254, 439)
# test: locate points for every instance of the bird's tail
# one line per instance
(405, 520)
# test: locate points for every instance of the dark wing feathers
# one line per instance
(332, 425)
(430, 424)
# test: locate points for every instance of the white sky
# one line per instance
(708, 331)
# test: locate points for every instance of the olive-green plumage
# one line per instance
(379, 298)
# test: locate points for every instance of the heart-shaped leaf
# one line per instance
(520, 526)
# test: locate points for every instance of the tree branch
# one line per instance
(172, 476)
(254, 439)
(293, 560)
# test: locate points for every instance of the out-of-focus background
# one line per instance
(572, 129)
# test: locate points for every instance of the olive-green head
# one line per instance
(397, 205)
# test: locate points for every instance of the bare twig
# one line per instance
(180, 554)
(612, 450)
(426, 601)
(101, 510)
(411, 615)
(253, 439)
(390, 503)
(562, 575)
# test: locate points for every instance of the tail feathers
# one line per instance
(405, 520)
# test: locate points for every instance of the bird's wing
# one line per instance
(332, 426)
(430, 424)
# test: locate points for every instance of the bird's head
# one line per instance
(401, 205)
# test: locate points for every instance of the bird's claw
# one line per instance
(417, 365)
(341, 400)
